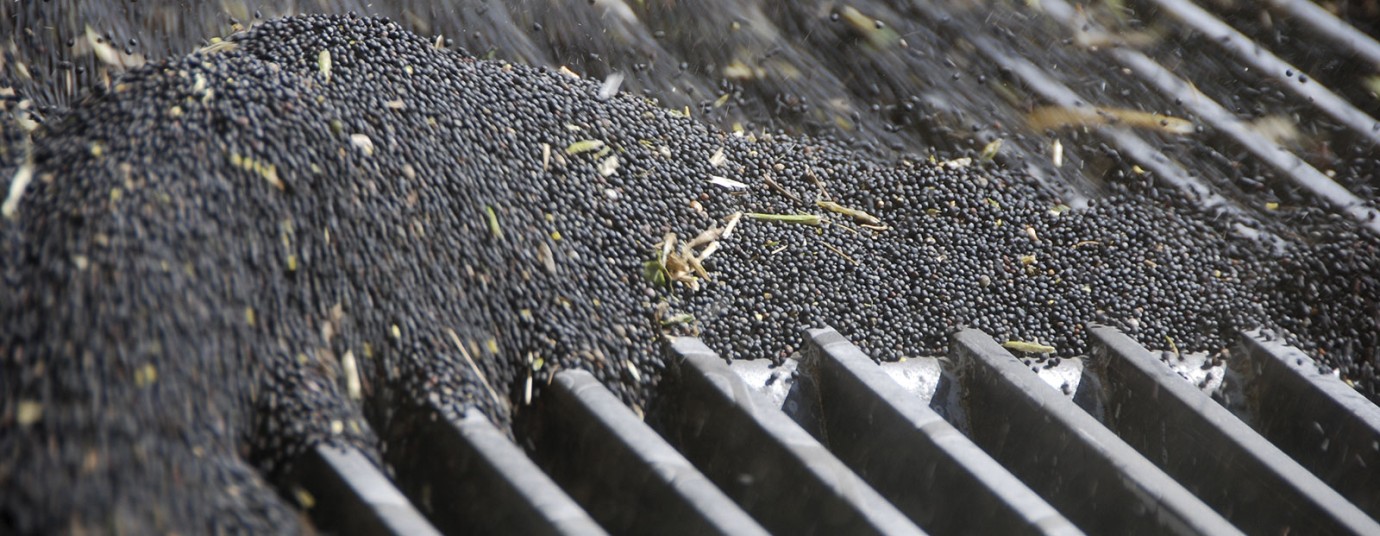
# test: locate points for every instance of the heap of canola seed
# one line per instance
(219, 255)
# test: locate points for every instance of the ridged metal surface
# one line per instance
(1138, 449)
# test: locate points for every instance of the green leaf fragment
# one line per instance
(655, 272)
(584, 146)
(493, 221)
(989, 152)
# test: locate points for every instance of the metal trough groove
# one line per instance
(1258, 57)
(345, 493)
(1224, 121)
(626, 475)
(471, 479)
(1079, 466)
(910, 454)
(758, 456)
(1328, 26)
(1323, 423)
(1250, 481)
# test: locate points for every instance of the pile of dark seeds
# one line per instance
(263, 245)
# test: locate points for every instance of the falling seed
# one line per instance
(109, 55)
(1056, 153)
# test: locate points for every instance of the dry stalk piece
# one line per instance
(683, 264)
(679, 318)
(857, 215)
(840, 253)
(776, 186)
(584, 146)
(717, 159)
(732, 223)
(1028, 347)
(492, 217)
(1055, 117)
(957, 163)
(351, 370)
(726, 183)
(499, 402)
(22, 177)
(323, 63)
(805, 219)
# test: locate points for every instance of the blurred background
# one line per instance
(1264, 108)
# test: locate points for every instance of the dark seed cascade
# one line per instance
(268, 243)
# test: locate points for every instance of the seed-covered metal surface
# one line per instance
(912, 456)
(1200, 443)
(344, 492)
(1313, 416)
(622, 471)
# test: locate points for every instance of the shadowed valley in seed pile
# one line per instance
(229, 256)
